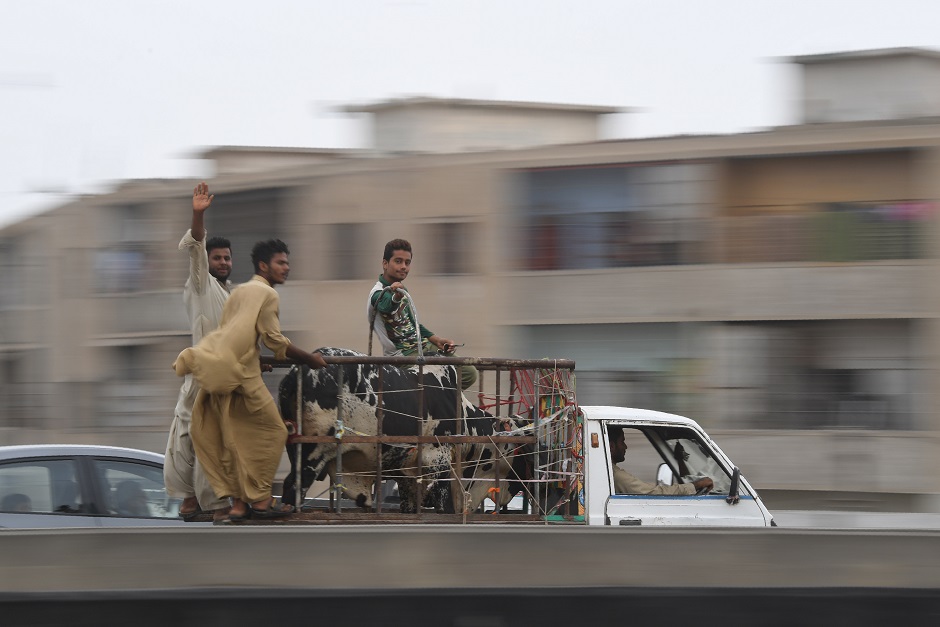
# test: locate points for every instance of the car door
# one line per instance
(43, 492)
(689, 456)
(707, 510)
(130, 492)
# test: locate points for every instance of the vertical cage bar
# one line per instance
(298, 447)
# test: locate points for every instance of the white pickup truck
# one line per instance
(670, 449)
(557, 463)
(665, 453)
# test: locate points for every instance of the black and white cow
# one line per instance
(401, 402)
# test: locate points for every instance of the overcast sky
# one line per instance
(93, 91)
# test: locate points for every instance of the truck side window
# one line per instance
(641, 455)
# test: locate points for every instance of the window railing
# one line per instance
(837, 232)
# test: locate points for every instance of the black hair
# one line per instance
(396, 244)
(614, 433)
(217, 242)
(263, 251)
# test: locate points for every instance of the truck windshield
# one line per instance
(691, 459)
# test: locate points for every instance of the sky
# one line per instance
(95, 92)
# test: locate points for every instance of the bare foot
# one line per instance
(189, 505)
(270, 509)
(264, 505)
(239, 509)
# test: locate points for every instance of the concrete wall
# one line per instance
(871, 89)
(461, 129)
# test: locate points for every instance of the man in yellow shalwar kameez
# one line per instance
(237, 431)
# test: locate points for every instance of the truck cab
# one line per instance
(665, 455)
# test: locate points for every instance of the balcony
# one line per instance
(794, 291)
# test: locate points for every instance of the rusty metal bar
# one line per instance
(298, 451)
(498, 376)
(379, 417)
(313, 517)
(417, 439)
(480, 388)
(338, 483)
(512, 391)
(497, 458)
(419, 456)
(570, 483)
(535, 431)
(457, 485)
(434, 360)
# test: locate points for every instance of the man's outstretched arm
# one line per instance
(201, 202)
(314, 360)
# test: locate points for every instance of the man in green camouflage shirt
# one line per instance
(393, 306)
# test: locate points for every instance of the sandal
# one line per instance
(191, 516)
(273, 511)
(240, 517)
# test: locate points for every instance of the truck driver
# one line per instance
(625, 483)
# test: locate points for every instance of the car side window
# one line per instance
(40, 486)
(135, 489)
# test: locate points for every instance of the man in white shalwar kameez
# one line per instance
(205, 293)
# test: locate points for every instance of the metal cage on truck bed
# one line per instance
(542, 449)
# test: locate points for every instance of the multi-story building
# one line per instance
(777, 286)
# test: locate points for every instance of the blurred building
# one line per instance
(777, 286)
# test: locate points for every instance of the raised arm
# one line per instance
(201, 202)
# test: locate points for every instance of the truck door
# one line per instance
(637, 498)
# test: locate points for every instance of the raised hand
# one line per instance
(201, 197)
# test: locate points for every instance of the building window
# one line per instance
(610, 217)
(119, 270)
(845, 374)
(119, 265)
(12, 285)
(451, 247)
(349, 259)
(9, 385)
(839, 374)
(131, 394)
(24, 393)
(26, 268)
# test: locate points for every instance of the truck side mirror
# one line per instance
(664, 475)
(733, 498)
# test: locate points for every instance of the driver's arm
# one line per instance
(703, 483)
